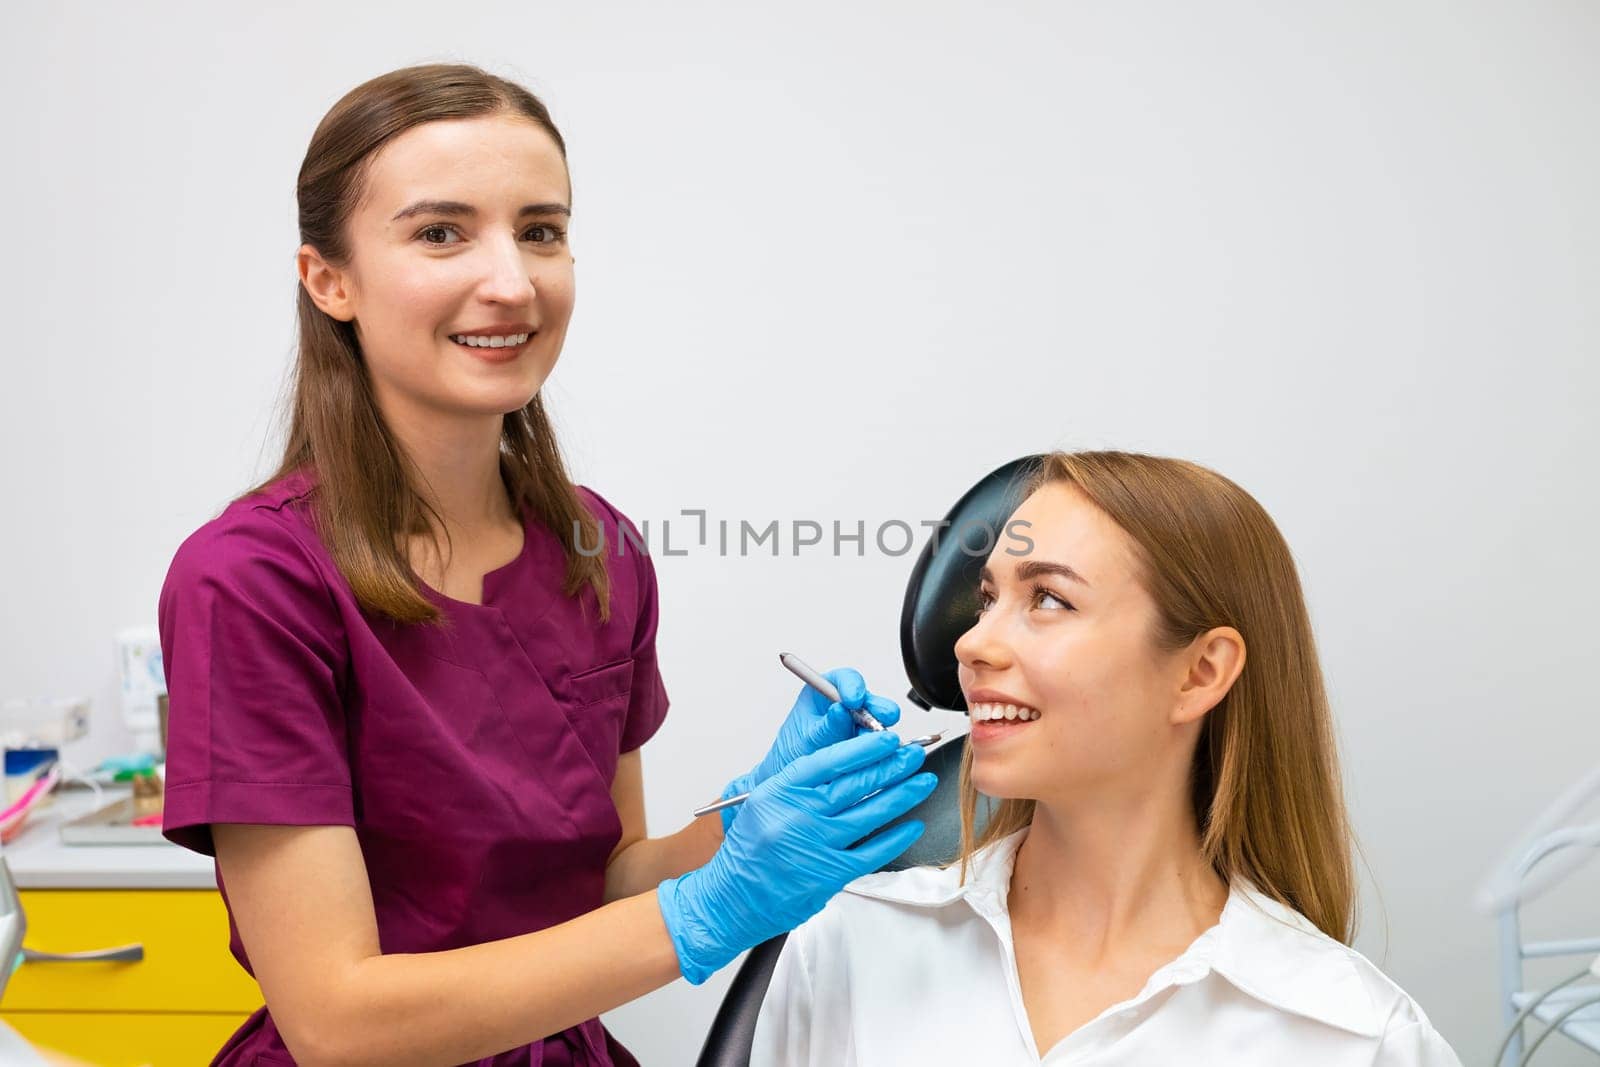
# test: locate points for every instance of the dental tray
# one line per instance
(110, 825)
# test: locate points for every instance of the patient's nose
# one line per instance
(983, 647)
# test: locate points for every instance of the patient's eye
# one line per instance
(1042, 593)
(985, 601)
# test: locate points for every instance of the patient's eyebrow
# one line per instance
(456, 209)
(1033, 568)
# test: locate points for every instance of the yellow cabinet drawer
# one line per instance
(156, 1039)
(186, 965)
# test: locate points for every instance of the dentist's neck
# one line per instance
(1120, 868)
(458, 464)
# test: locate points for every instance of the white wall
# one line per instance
(837, 261)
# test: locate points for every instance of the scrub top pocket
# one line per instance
(473, 758)
(599, 706)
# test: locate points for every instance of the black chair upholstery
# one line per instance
(942, 596)
(733, 1031)
(940, 605)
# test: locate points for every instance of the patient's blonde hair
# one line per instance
(1265, 779)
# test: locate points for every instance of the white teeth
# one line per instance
(1003, 712)
(505, 341)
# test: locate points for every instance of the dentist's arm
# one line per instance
(303, 906)
(639, 863)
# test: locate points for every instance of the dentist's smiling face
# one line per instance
(460, 279)
(1068, 635)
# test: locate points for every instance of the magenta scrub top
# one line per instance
(475, 763)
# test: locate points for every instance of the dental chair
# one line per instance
(941, 604)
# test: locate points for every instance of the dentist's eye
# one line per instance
(985, 601)
(545, 234)
(437, 228)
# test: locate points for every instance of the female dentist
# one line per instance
(407, 695)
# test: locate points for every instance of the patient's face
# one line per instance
(1076, 648)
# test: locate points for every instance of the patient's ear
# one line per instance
(1215, 659)
(327, 285)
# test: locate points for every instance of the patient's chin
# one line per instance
(999, 783)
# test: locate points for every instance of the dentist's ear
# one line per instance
(1215, 660)
(327, 285)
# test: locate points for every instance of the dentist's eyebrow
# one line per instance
(456, 209)
(1033, 568)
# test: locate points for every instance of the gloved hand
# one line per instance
(814, 724)
(790, 849)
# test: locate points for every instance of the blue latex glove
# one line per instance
(790, 849)
(814, 724)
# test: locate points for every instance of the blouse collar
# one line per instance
(1265, 949)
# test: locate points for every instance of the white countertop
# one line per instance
(39, 860)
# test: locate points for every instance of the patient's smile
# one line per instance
(1003, 712)
(992, 720)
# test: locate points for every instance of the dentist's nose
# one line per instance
(507, 278)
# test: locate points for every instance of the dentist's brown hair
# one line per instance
(367, 499)
(1265, 780)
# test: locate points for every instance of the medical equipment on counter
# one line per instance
(24, 768)
(143, 682)
(42, 723)
(12, 817)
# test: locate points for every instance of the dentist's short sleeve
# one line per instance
(255, 656)
(647, 697)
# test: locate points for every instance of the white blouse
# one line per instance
(911, 968)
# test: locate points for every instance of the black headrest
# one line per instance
(942, 596)
(941, 604)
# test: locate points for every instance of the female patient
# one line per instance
(1166, 877)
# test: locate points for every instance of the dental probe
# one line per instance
(930, 739)
(795, 666)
